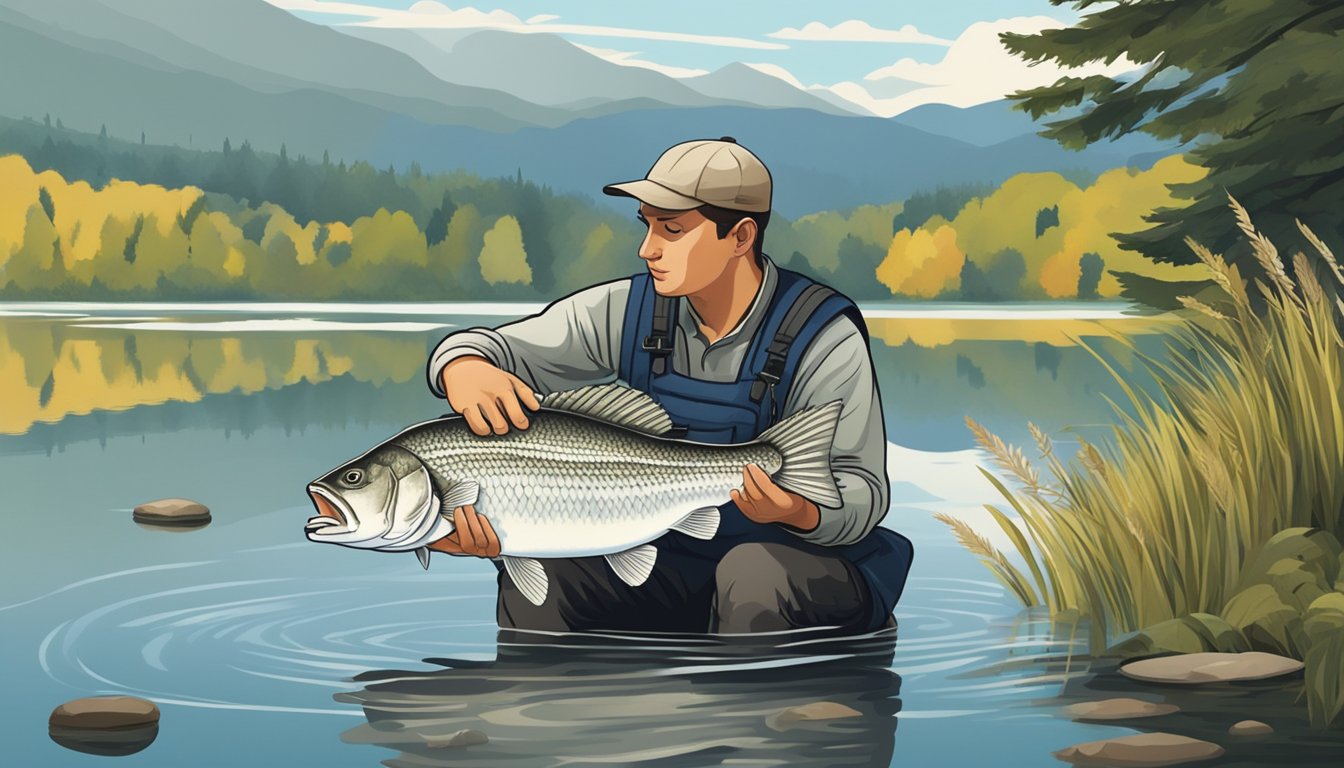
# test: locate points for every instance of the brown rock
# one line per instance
(1118, 709)
(1142, 749)
(817, 710)
(1250, 728)
(467, 737)
(105, 712)
(1195, 668)
(171, 512)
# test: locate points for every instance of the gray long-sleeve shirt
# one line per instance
(576, 341)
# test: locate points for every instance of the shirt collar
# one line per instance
(690, 319)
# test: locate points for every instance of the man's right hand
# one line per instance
(472, 535)
(490, 399)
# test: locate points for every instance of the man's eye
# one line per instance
(674, 230)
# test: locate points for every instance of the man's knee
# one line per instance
(751, 586)
(766, 587)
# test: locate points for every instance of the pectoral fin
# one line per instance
(701, 523)
(459, 494)
(634, 565)
(529, 576)
(423, 555)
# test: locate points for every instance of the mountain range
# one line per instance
(194, 72)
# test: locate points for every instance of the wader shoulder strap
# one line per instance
(777, 354)
(660, 339)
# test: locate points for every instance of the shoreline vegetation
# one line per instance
(90, 217)
(1212, 520)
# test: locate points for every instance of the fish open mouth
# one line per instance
(329, 511)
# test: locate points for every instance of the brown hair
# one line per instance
(726, 218)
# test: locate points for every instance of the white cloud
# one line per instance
(857, 31)
(627, 59)
(976, 69)
(430, 14)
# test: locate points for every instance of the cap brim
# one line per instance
(654, 194)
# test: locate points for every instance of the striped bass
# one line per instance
(594, 474)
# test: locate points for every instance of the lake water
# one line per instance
(261, 648)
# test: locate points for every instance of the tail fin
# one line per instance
(804, 439)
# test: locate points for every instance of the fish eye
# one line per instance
(352, 477)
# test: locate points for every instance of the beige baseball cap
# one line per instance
(718, 172)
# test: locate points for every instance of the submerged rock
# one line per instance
(467, 737)
(1118, 709)
(172, 512)
(105, 725)
(1195, 668)
(1250, 728)
(105, 712)
(1143, 749)
(818, 710)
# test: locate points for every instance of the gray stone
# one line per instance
(467, 737)
(1250, 728)
(1142, 749)
(171, 512)
(105, 712)
(1118, 709)
(1196, 668)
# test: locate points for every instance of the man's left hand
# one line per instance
(764, 502)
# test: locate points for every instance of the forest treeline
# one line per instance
(85, 216)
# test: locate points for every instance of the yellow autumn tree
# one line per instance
(503, 259)
(922, 263)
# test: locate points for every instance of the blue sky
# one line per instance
(885, 56)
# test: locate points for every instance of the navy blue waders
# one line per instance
(739, 410)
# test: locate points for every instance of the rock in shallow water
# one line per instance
(1118, 709)
(817, 710)
(1194, 668)
(175, 512)
(103, 712)
(1250, 728)
(467, 737)
(105, 725)
(1142, 749)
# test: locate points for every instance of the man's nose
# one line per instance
(649, 249)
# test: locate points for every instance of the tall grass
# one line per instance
(1243, 438)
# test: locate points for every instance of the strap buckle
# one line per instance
(657, 345)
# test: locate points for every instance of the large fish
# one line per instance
(594, 474)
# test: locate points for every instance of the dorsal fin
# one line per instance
(613, 403)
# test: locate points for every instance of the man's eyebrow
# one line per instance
(669, 217)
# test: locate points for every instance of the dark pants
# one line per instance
(755, 587)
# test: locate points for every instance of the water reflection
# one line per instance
(661, 700)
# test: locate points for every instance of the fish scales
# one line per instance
(569, 479)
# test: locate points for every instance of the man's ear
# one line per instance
(744, 236)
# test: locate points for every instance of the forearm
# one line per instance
(839, 368)
(574, 341)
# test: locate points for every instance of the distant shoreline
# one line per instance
(1015, 310)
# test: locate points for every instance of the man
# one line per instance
(728, 344)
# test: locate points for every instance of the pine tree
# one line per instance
(1261, 79)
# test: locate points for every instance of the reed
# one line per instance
(1242, 438)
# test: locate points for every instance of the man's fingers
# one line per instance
(490, 409)
(525, 394)
(491, 538)
(448, 544)
(514, 409)
(475, 421)
(743, 503)
(479, 542)
(773, 492)
(750, 485)
(464, 532)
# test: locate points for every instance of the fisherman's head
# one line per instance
(706, 205)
